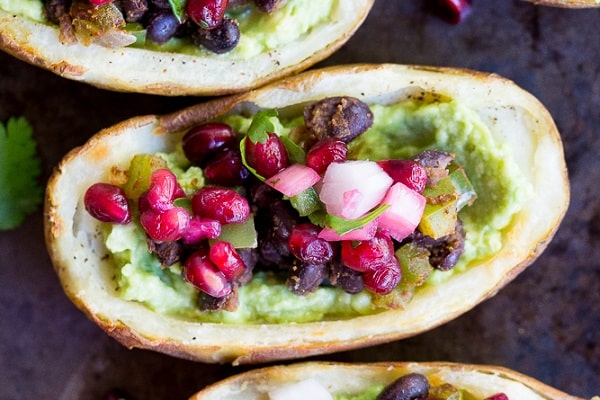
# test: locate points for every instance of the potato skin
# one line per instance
(175, 74)
(567, 3)
(85, 270)
(480, 380)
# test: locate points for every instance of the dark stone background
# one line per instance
(546, 323)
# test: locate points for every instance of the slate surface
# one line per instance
(546, 323)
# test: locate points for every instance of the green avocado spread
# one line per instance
(260, 32)
(401, 131)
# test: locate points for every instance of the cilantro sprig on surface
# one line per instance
(20, 192)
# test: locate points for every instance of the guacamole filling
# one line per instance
(398, 131)
(259, 31)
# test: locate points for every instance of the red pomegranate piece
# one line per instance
(224, 205)
(409, 172)
(165, 226)
(204, 141)
(368, 254)
(267, 158)
(324, 153)
(107, 203)
(384, 278)
(227, 260)
(206, 13)
(201, 272)
(305, 244)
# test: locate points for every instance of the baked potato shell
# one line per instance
(131, 69)
(568, 3)
(344, 378)
(87, 273)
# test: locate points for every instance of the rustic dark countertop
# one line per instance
(546, 323)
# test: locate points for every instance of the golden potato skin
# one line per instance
(85, 270)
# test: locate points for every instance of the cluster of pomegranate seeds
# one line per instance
(362, 256)
(107, 203)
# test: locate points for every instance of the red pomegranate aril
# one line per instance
(224, 205)
(305, 244)
(227, 260)
(200, 229)
(204, 274)
(324, 153)
(163, 190)
(165, 226)
(201, 143)
(451, 11)
(206, 13)
(383, 279)
(226, 168)
(107, 203)
(267, 158)
(408, 172)
(497, 396)
(99, 2)
(368, 254)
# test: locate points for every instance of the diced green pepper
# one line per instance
(439, 220)
(140, 169)
(466, 192)
(306, 202)
(242, 235)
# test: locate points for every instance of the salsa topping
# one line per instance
(113, 23)
(297, 209)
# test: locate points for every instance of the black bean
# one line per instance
(269, 6)
(134, 10)
(161, 4)
(219, 40)
(407, 387)
(341, 118)
(161, 26)
(435, 163)
(168, 253)
(345, 278)
(305, 278)
(207, 302)
(55, 9)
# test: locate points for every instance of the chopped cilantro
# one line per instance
(20, 167)
(261, 125)
(178, 7)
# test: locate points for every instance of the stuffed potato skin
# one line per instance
(176, 74)
(480, 380)
(85, 270)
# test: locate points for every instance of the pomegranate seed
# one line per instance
(206, 13)
(451, 11)
(305, 244)
(165, 226)
(225, 205)
(227, 259)
(267, 158)
(96, 3)
(226, 168)
(383, 279)
(497, 396)
(107, 203)
(163, 190)
(202, 142)
(202, 273)
(200, 229)
(409, 172)
(324, 153)
(368, 254)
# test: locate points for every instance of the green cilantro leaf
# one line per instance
(261, 125)
(341, 225)
(20, 167)
(178, 7)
